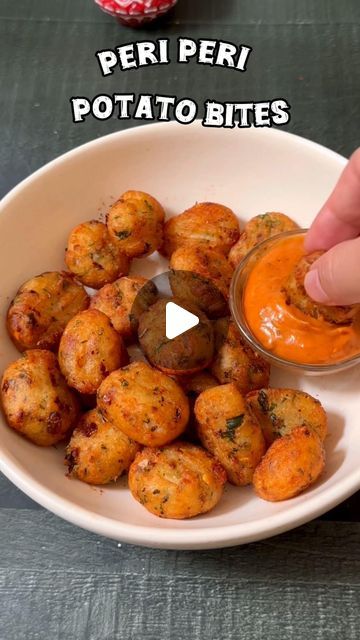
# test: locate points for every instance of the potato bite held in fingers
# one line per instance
(148, 406)
(89, 350)
(279, 411)
(99, 452)
(257, 230)
(42, 308)
(177, 481)
(36, 400)
(207, 225)
(291, 465)
(93, 256)
(228, 429)
(135, 222)
(124, 301)
(295, 293)
(235, 361)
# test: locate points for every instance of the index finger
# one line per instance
(339, 218)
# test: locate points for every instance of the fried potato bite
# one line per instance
(136, 221)
(93, 256)
(295, 293)
(258, 229)
(228, 429)
(206, 224)
(279, 411)
(124, 301)
(193, 386)
(235, 361)
(189, 352)
(148, 406)
(36, 400)
(98, 452)
(89, 350)
(42, 308)
(202, 277)
(291, 465)
(178, 481)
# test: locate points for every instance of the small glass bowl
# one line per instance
(237, 290)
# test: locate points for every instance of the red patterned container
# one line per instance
(136, 13)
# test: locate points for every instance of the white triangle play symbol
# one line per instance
(178, 320)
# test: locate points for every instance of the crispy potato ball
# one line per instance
(295, 293)
(178, 481)
(93, 256)
(291, 465)
(36, 400)
(145, 404)
(89, 350)
(258, 229)
(124, 301)
(228, 429)
(206, 224)
(42, 308)
(202, 277)
(98, 452)
(193, 386)
(136, 221)
(189, 352)
(279, 411)
(235, 361)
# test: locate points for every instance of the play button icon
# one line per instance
(178, 320)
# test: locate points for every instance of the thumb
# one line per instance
(334, 278)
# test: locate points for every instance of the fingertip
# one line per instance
(314, 288)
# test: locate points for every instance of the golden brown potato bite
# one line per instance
(178, 481)
(228, 429)
(144, 403)
(124, 301)
(36, 400)
(189, 352)
(42, 308)
(295, 293)
(202, 277)
(235, 361)
(98, 452)
(89, 350)
(207, 225)
(279, 411)
(291, 465)
(258, 229)
(93, 256)
(136, 221)
(195, 384)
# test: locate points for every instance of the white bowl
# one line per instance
(252, 171)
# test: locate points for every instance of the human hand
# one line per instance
(335, 277)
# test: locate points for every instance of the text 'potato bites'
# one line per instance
(189, 352)
(202, 277)
(178, 481)
(235, 361)
(206, 224)
(227, 429)
(36, 400)
(124, 301)
(89, 350)
(93, 256)
(290, 465)
(99, 452)
(42, 308)
(144, 403)
(135, 222)
(257, 230)
(279, 411)
(295, 293)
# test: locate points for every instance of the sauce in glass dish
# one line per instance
(282, 328)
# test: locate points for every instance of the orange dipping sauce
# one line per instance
(283, 329)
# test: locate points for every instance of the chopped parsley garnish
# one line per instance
(231, 425)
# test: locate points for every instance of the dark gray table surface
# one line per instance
(57, 581)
